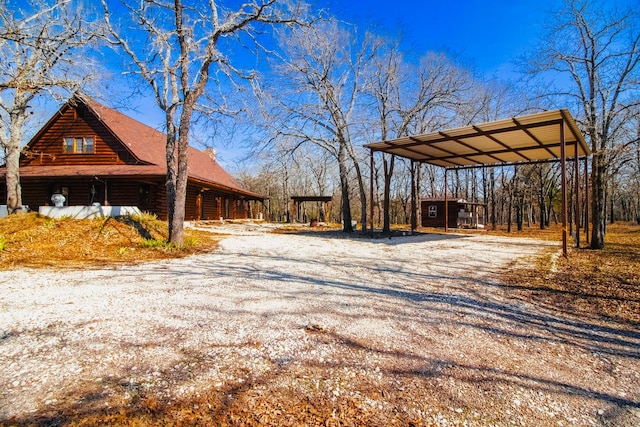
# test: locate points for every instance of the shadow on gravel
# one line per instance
(361, 381)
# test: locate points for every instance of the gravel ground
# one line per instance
(410, 328)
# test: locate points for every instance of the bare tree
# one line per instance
(181, 49)
(39, 43)
(317, 94)
(598, 48)
(412, 99)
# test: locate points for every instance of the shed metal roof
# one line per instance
(530, 138)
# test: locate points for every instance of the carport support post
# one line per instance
(446, 203)
(414, 209)
(576, 185)
(371, 190)
(563, 162)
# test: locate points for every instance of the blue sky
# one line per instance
(485, 34)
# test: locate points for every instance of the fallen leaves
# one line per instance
(32, 240)
(603, 283)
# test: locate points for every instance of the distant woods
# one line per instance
(306, 91)
(336, 87)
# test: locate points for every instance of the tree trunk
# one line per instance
(14, 191)
(12, 153)
(550, 210)
(541, 196)
(363, 195)
(344, 187)
(598, 215)
(377, 197)
(171, 183)
(176, 225)
(520, 214)
(612, 208)
(509, 211)
(518, 198)
(543, 211)
(388, 172)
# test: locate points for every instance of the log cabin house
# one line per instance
(93, 154)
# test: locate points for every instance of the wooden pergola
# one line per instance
(542, 137)
(299, 200)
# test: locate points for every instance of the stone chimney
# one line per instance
(211, 152)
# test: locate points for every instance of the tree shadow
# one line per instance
(422, 300)
(137, 225)
(396, 237)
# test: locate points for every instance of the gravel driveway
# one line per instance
(422, 315)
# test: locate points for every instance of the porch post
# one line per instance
(199, 206)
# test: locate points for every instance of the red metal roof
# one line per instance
(148, 146)
(145, 143)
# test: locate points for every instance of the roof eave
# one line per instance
(226, 188)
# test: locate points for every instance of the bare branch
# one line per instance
(187, 61)
(40, 48)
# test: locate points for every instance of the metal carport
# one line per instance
(541, 137)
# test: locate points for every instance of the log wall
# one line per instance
(49, 149)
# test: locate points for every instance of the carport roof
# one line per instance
(523, 139)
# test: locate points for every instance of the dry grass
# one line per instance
(601, 284)
(32, 240)
(551, 233)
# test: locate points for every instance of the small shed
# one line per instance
(462, 214)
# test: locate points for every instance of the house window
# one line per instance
(433, 211)
(78, 145)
